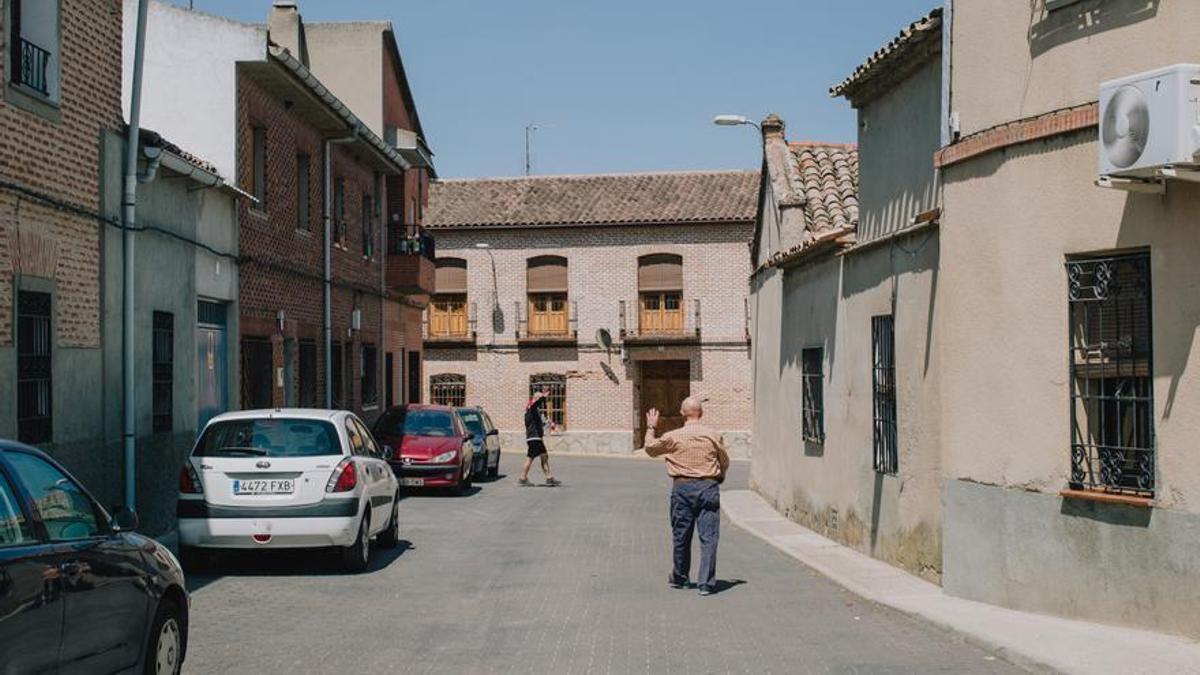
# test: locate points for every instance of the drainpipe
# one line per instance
(328, 272)
(381, 343)
(129, 220)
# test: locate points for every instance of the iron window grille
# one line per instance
(1112, 402)
(308, 374)
(163, 359)
(813, 395)
(35, 423)
(34, 65)
(368, 227)
(370, 376)
(448, 389)
(883, 347)
(556, 397)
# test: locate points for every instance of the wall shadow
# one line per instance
(1112, 514)
(435, 353)
(538, 354)
(1048, 30)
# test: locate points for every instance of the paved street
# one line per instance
(560, 580)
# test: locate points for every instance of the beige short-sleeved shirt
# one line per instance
(694, 450)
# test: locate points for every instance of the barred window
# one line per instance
(370, 375)
(34, 421)
(448, 389)
(368, 227)
(885, 441)
(1112, 401)
(163, 359)
(813, 395)
(555, 387)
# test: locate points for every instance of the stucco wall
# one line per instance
(1015, 60)
(349, 58)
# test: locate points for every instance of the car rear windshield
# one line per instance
(416, 423)
(269, 438)
(473, 421)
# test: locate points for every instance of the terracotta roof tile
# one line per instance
(599, 199)
(914, 43)
(825, 175)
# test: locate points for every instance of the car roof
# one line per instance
(17, 445)
(429, 406)
(274, 413)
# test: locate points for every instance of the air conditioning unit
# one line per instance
(1150, 123)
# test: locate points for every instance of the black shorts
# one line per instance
(536, 448)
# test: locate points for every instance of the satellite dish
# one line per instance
(604, 338)
(1125, 127)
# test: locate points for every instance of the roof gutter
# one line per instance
(550, 226)
(394, 161)
(159, 156)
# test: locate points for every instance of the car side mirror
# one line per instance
(389, 452)
(124, 519)
(494, 432)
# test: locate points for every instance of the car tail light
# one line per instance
(189, 482)
(344, 478)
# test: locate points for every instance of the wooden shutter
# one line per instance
(660, 272)
(547, 274)
(451, 276)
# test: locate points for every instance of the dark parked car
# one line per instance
(430, 446)
(486, 438)
(80, 592)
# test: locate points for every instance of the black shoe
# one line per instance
(553, 482)
(674, 582)
(524, 482)
(704, 591)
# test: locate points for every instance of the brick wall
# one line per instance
(283, 264)
(602, 389)
(61, 158)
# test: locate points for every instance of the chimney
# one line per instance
(772, 127)
(286, 29)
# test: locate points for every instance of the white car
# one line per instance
(287, 478)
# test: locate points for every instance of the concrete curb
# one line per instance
(1033, 641)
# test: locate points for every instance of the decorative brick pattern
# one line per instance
(1020, 131)
(61, 159)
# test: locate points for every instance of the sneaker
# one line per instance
(675, 582)
(524, 482)
(553, 482)
(704, 591)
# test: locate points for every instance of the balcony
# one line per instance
(410, 268)
(449, 327)
(34, 65)
(659, 325)
(548, 329)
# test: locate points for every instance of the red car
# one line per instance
(431, 446)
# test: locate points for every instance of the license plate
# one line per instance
(412, 482)
(264, 487)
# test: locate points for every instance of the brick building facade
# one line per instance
(61, 80)
(532, 272)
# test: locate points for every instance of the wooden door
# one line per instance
(548, 314)
(660, 312)
(448, 316)
(664, 385)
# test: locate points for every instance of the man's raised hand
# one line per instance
(652, 418)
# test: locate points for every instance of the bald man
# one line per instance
(696, 462)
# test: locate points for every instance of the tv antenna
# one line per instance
(529, 129)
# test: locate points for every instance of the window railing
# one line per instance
(35, 62)
(658, 316)
(406, 241)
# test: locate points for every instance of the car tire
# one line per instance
(193, 559)
(164, 649)
(356, 556)
(390, 537)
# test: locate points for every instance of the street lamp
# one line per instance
(734, 120)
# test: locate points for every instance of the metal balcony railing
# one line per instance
(638, 324)
(34, 64)
(404, 240)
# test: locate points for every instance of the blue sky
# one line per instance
(618, 85)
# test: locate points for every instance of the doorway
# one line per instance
(663, 385)
(212, 364)
(389, 380)
(414, 377)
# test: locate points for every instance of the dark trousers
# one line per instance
(696, 505)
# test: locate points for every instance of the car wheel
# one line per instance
(391, 536)
(494, 471)
(164, 650)
(193, 559)
(356, 556)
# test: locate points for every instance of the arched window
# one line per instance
(660, 293)
(555, 387)
(448, 389)
(448, 307)
(546, 285)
